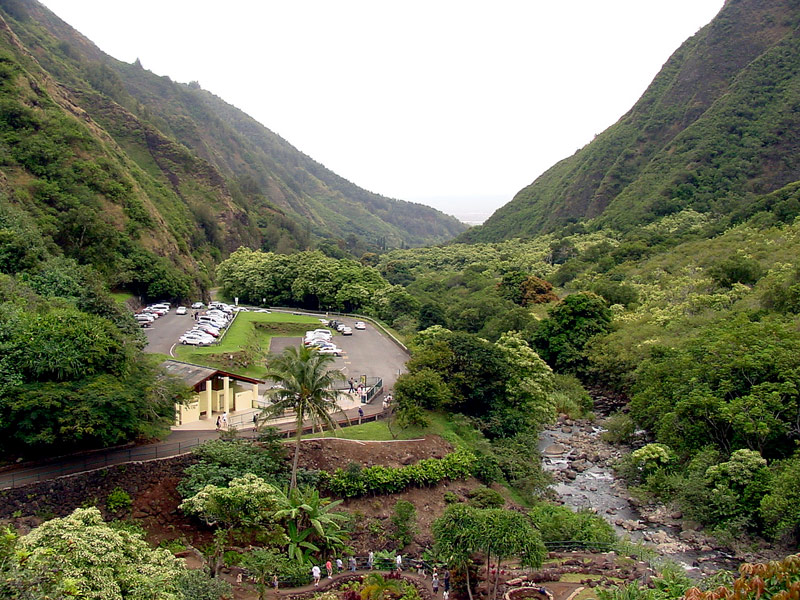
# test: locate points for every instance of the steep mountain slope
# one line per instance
(718, 126)
(111, 165)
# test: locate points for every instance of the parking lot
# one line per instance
(366, 352)
(163, 334)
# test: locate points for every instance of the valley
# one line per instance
(597, 390)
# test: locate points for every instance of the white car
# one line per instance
(346, 330)
(330, 350)
(206, 328)
(240, 309)
(197, 305)
(200, 331)
(195, 339)
(323, 333)
(262, 310)
(144, 316)
(360, 325)
(181, 310)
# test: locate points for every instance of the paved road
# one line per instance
(366, 352)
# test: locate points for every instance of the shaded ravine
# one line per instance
(581, 465)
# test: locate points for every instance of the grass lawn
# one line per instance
(243, 332)
(121, 297)
(439, 424)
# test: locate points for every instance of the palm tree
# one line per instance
(304, 385)
(312, 524)
(377, 587)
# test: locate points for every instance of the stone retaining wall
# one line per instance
(59, 497)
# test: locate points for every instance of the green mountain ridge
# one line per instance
(716, 129)
(111, 165)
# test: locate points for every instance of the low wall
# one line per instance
(59, 497)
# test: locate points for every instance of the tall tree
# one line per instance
(306, 386)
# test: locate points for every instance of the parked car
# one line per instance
(181, 310)
(145, 316)
(203, 331)
(196, 305)
(158, 310)
(333, 323)
(330, 350)
(319, 333)
(318, 343)
(262, 310)
(195, 339)
(346, 330)
(240, 309)
(211, 320)
(360, 325)
(207, 328)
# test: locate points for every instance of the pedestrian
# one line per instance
(225, 420)
(219, 420)
(399, 561)
(315, 571)
(360, 414)
(421, 570)
(435, 583)
(352, 387)
(446, 582)
(275, 583)
(436, 572)
(370, 560)
(339, 565)
(255, 419)
(329, 568)
(352, 563)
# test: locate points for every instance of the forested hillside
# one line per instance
(717, 128)
(152, 182)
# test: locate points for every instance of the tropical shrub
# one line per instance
(382, 480)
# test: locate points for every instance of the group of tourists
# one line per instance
(436, 581)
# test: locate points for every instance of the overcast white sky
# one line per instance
(457, 104)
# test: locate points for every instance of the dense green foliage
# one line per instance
(559, 523)
(82, 556)
(306, 279)
(219, 462)
(71, 373)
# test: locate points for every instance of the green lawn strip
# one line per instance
(240, 333)
(121, 297)
(438, 424)
(375, 431)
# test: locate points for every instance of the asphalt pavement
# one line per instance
(164, 332)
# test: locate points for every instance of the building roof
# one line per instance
(193, 375)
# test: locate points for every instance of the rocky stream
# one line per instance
(581, 465)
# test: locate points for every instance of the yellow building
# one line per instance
(215, 391)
